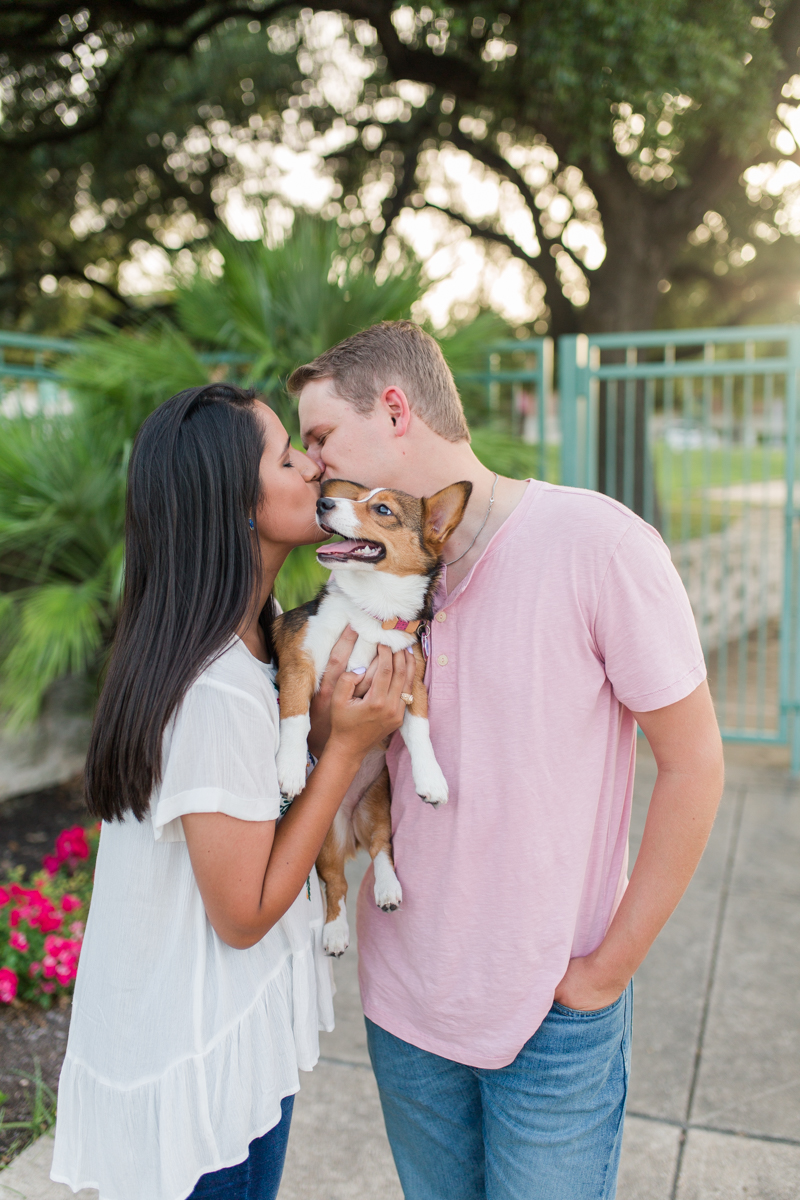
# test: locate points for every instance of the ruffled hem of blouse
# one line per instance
(201, 1114)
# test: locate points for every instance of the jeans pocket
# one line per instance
(588, 1013)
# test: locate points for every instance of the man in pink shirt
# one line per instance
(498, 999)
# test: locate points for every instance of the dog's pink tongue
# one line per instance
(339, 547)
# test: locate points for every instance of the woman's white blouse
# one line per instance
(180, 1047)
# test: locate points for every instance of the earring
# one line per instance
(252, 524)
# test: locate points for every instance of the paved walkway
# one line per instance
(714, 1110)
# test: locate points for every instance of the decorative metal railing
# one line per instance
(517, 386)
(697, 431)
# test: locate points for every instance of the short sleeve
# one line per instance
(219, 756)
(644, 627)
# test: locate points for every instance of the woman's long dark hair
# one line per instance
(192, 567)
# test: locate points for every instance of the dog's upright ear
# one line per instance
(442, 513)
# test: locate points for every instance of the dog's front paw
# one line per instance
(292, 754)
(336, 934)
(388, 894)
(431, 785)
(291, 769)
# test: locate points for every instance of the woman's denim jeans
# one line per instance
(546, 1127)
(259, 1176)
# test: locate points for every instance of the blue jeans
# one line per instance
(259, 1176)
(546, 1127)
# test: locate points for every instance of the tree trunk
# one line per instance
(642, 243)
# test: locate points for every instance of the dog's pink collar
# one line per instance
(399, 623)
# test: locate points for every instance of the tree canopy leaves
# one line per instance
(128, 125)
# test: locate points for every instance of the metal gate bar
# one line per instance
(518, 390)
(697, 430)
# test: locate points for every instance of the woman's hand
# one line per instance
(358, 723)
(586, 987)
(250, 872)
(320, 712)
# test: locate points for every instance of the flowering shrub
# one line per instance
(42, 924)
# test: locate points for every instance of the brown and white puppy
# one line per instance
(382, 581)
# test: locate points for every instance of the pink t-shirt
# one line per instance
(573, 616)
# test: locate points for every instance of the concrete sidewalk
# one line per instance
(713, 1111)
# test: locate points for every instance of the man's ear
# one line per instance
(443, 512)
(396, 404)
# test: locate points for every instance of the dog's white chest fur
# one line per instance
(351, 599)
(340, 608)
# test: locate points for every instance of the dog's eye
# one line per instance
(383, 510)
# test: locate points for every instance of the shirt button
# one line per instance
(441, 616)
(442, 660)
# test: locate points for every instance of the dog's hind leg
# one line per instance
(330, 868)
(373, 827)
(429, 782)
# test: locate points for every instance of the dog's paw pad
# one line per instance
(435, 794)
(335, 937)
(431, 786)
(389, 898)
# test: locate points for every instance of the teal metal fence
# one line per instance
(29, 378)
(31, 381)
(697, 431)
(517, 389)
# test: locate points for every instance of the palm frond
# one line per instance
(119, 377)
(465, 347)
(59, 632)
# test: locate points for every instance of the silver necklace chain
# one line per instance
(480, 531)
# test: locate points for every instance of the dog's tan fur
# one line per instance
(411, 536)
(371, 828)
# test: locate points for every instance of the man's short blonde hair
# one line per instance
(394, 352)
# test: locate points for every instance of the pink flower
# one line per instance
(49, 920)
(39, 913)
(71, 843)
(51, 864)
(4, 897)
(70, 903)
(8, 985)
(18, 941)
(64, 973)
(48, 988)
(34, 969)
(77, 929)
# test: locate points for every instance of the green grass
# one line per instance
(683, 475)
(43, 1112)
(690, 469)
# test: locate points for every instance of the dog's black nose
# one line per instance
(325, 505)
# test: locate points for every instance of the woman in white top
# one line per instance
(202, 982)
